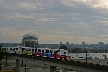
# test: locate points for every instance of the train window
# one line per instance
(32, 50)
(50, 51)
(43, 51)
(35, 50)
(29, 49)
(47, 51)
(22, 49)
(10, 48)
(16, 48)
(54, 52)
(64, 52)
(4, 49)
(39, 50)
(7, 48)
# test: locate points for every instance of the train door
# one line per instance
(44, 53)
(38, 52)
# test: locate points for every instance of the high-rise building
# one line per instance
(67, 43)
(83, 43)
(101, 45)
(60, 43)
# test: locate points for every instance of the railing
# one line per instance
(71, 62)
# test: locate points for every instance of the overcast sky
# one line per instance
(54, 21)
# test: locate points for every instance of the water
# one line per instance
(93, 55)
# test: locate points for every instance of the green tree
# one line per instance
(77, 50)
(63, 46)
(2, 54)
(70, 50)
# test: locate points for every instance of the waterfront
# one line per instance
(92, 55)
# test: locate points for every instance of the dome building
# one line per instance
(30, 40)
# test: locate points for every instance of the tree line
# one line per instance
(2, 54)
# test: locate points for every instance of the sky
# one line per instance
(54, 21)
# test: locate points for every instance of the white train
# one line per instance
(42, 52)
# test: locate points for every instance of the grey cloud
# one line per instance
(54, 17)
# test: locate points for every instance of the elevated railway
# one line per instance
(76, 66)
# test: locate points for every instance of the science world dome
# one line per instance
(30, 40)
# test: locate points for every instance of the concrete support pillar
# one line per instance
(52, 68)
(17, 65)
(22, 62)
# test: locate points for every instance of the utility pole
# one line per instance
(45, 66)
(6, 58)
(17, 65)
(25, 67)
(86, 57)
(22, 62)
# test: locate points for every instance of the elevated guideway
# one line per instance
(53, 63)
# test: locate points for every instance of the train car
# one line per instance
(45, 52)
(12, 49)
(52, 53)
(27, 50)
(41, 52)
(61, 54)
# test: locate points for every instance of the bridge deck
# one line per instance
(58, 63)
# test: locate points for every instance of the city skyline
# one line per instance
(54, 21)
